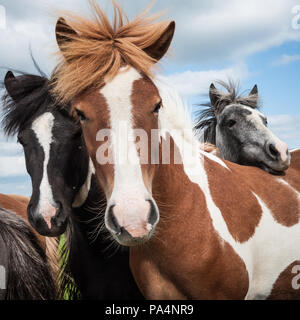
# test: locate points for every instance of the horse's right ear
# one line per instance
(160, 47)
(10, 82)
(64, 34)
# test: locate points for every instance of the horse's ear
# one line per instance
(254, 93)
(10, 82)
(64, 33)
(160, 47)
(214, 95)
(215, 99)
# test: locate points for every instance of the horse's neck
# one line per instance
(87, 206)
(176, 191)
(89, 217)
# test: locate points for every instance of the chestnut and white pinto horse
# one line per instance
(226, 231)
(203, 228)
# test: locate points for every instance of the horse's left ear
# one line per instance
(10, 82)
(254, 93)
(160, 47)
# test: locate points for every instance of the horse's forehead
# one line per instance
(244, 110)
(42, 127)
(122, 84)
(253, 111)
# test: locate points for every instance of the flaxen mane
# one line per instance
(99, 48)
(206, 120)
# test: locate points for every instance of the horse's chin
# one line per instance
(126, 240)
(271, 170)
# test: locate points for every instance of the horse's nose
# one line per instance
(135, 229)
(272, 151)
(51, 225)
(278, 151)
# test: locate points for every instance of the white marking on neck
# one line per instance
(174, 115)
(294, 150)
(42, 127)
(271, 249)
(85, 189)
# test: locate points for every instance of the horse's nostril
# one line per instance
(153, 215)
(112, 221)
(273, 152)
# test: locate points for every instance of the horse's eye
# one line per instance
(231, 123)
(80, 115)
(157, 108)
(266, 122)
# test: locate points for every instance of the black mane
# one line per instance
(31, 96)
(206, 120)
(206, 123)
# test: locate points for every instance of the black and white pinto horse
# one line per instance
(25, 273)
(65, 192)
(239, 130)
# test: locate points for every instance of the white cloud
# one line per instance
(286, 59)
(191, 83)
(22, 187)
(206, 31)
(287, 128)
(233, 29)
(10, 149)
(12, 166)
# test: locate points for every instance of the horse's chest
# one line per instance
(150, 278)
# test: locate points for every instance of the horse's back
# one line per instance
(12, 203)
(22, 199)
(295, 159)
(18, 205)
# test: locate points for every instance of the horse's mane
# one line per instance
(206, 120)
(31, 96)
(100, 48)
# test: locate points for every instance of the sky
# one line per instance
(250, 41)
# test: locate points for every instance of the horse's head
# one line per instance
(55, 154)
(117, 112)
(241, 134)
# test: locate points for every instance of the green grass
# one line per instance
(69, 290)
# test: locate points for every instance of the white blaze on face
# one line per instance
(42, 128)
(129, 193)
